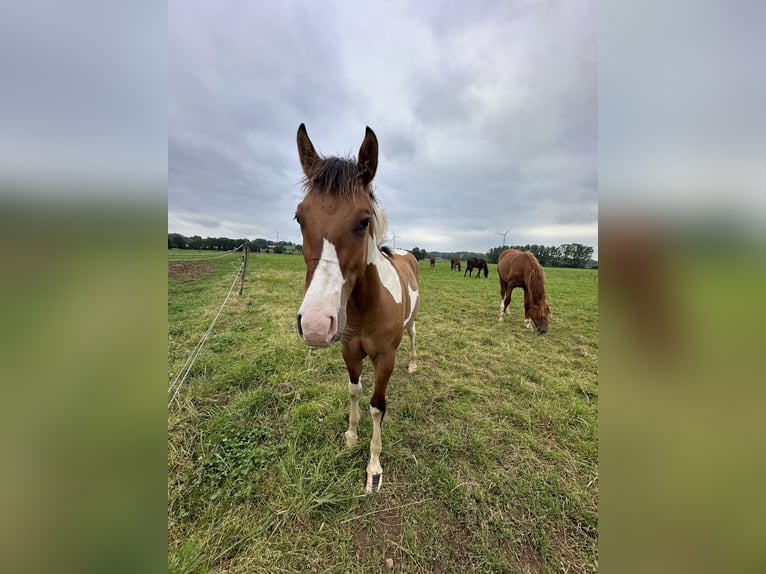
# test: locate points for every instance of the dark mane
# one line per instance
(336, 175)
(536, 281)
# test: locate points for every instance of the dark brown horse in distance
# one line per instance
(478, 264)
(454, 263)
(433, 262)
(522, 269)
(356, 291)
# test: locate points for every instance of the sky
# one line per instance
(485, 113)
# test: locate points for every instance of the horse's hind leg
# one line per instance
(384, 366)
(412, 367)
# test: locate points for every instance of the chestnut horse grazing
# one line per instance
(454, 263)
(356, 291)
(478, 264)
(522, 269)
(433, 262)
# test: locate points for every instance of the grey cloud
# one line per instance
(485, 112)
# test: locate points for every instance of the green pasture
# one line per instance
(490, 450)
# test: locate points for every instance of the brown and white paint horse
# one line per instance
(356, 292)
(522, 269)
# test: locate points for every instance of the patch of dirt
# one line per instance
(182, 270)
(529, 561)
(455, 540)
(569, 560)
(385, 536)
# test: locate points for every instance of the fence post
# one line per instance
(244, 266)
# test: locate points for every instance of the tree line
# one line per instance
(566, 255)
(421, 254)
(178, 241)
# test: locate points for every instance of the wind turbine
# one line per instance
(503, 234)
(275, 229)
(394, 234)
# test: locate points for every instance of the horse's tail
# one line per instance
(486, 270)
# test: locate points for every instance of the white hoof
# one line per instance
(412, 368)
(351, 439)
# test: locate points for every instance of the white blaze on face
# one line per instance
(318, 314)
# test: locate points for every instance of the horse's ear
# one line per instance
(307, 153)
(368, 157)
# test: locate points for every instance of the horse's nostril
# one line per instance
(300, 329)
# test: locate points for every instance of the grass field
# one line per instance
(490, 450)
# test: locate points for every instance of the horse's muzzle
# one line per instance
(318, 330)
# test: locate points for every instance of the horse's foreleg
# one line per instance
(354, 392)
(505, 300)
(384, 366)
(527, 319)
(374, 477)
(354, 366)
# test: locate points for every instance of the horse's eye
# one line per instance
(298, 219)
(363, 225)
